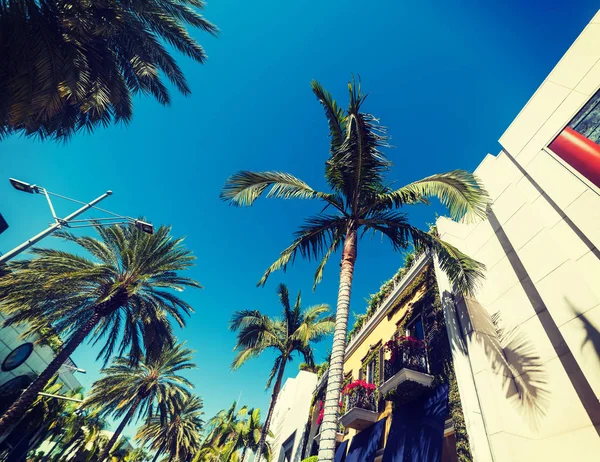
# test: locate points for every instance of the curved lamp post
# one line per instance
(69, 220)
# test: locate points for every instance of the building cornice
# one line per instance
(387, 304)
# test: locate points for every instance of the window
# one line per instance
(17, 357)
(579, 143)
(415, 329)
(371, 371)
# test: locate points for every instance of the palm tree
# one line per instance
(69, 65)
(250, 431)
(85, 428)
(294, 333)
(138, 455)
(123, 296)
(224, 425)
(361, 201)
(38, 423)
(179, 436)
(153, 386)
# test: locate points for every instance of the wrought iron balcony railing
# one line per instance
(414, 359)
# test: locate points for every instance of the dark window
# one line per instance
(17, 357)
(415, 329)
(287, 448)
(15, 385)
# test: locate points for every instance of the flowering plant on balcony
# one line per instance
(321, 413)
(359, 386)
(405, 351)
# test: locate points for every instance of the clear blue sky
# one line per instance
(446, 78)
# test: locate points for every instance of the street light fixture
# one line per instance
(69, 221)
(145, 227)
(22, 186)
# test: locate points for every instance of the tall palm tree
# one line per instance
(293, 334)
(123, 297)
(178, 436)
(153, 385)
(69, 65)
(360, 201)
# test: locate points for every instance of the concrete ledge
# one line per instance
(358, 418)
(405, 375)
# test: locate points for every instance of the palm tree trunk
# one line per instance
(14, 413)
(265, 430)
(120, 428)
(336, 364)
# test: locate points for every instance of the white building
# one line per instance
(21, 361)
(290, 415)
(527, 348)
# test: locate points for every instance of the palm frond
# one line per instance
(334, 114)
(244, 187)
(458, 190)
(316, 235)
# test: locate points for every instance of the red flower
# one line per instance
(359, 385)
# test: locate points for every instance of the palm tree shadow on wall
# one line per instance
(511, 355)
(592, 335)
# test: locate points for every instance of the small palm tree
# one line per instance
(361, 201)
(178, 436)
(69, 65)
(250, 431)
(154, 385)
(224, 425)
(293, 334)
(85, 428)
(122, 296)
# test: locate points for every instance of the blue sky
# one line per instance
(446, 78)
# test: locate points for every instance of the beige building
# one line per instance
(526, 349)
(288, 425)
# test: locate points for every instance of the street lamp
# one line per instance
(69, 221)
(145, 227)
(22, 186)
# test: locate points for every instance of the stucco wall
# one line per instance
(291, 413)
(533, 329)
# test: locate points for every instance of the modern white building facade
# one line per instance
(288, 424)
(526, 348)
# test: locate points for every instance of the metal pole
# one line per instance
(25, 245)
(66, 398)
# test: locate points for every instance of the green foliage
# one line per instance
(405, 393)
(311, 459)
(294, 333)
(440, 355)
(69, 65)
(154, 387)
(375, 300)
(60, 289)
(177, 437)
(361, 200)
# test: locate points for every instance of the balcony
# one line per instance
(361, 410)
(405, 373)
